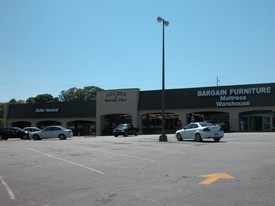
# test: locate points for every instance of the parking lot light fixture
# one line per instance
(163, 136)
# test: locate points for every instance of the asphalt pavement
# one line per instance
(139, 171)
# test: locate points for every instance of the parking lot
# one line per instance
(238, 170)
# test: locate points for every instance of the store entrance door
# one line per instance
(112, 120)
(259, 123)
(267, 123)
(255, 123)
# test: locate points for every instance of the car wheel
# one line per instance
(116, 135)
(198, 137)
(126, 134)
(179, 138)
(62, 137)
(1, 137)
(36, 137)
(25, 137)
(217, 139)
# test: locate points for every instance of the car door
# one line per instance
(45, 133)
(17, 133)
(55, 132)
(14, 133)
(131, 129)
(185, 131)
(10, 132)
(193, 130)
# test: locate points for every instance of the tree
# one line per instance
(56, 99)
(43, 98)
(30, 100)
(13, 101)
(72, 94)
(91, 92)
(75, 94)
(21, 101)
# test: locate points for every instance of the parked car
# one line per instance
(199, 131)
(31, 129)
(125, 130)
(223, 125)
(13, 132)
(52, 132)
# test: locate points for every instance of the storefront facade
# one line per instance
(78, 116)
(247, 108)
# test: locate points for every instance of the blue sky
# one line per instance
(47, 46)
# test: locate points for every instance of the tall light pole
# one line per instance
(163, 136)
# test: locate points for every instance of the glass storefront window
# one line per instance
(267, 123)
(256, 121)
(151, 123)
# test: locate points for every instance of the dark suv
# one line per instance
(13, 132)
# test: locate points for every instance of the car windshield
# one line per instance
(19, 129)
(121, 126)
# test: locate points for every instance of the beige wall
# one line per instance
(121, 101)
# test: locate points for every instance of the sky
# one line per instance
(47, 46)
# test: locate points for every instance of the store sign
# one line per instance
(234, 97)
(46, 110)
(116, 96)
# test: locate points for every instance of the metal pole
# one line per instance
(163, 137)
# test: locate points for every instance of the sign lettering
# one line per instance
(46, 110)
(234, 97)
(116, 96)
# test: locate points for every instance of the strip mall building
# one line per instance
(246, 108)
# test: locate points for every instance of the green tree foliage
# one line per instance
(43, 98)
(72, 94)
(56, 99)
(21, 101)
(30, 100)
(13, 101)
(75, 94)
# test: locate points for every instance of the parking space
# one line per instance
(139, 171)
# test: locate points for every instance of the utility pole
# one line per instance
(218, 81)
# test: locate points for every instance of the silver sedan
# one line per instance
(52, 132)
(199, 131)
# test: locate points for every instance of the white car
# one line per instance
(31, 129)
(199, 131)
(52, 132)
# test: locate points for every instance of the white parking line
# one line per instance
(70, 162)
(119, 154)
(12, 196)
